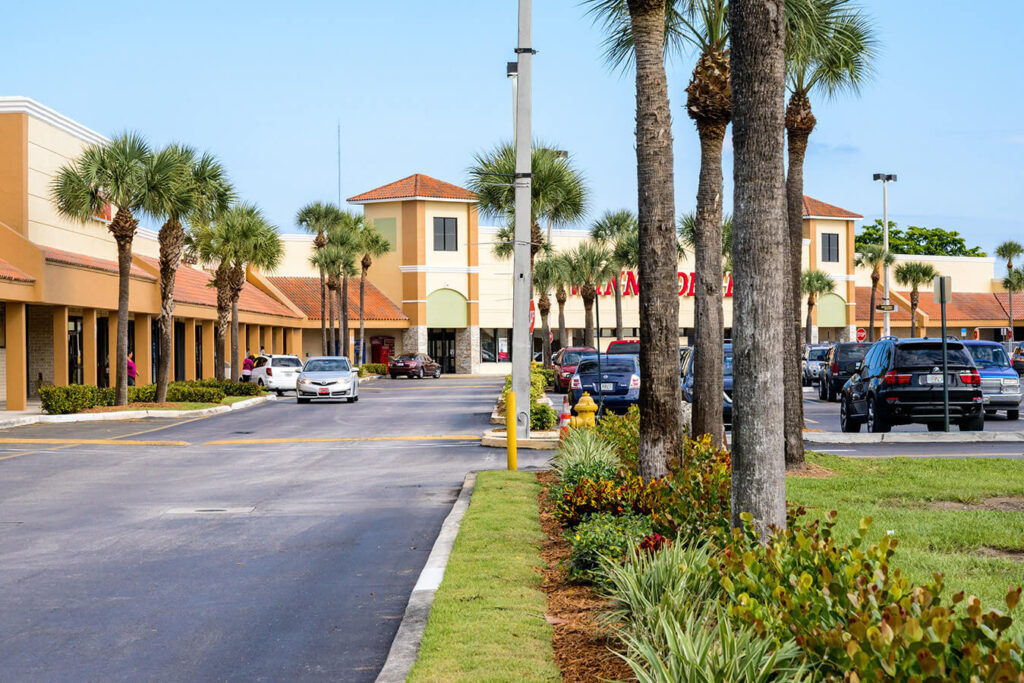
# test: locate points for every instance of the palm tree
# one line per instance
(830, 48)
(198, 189)
(757, 54)
(546, 276)
(913, 274)
(563, 280)
(591, 266)
(1010, 250)
(875, 257)
(609, 230)
(344, 234)
(315, 218)
(814, 283)
(1014, 282)
(326, 259)
(117, 174)
(373, 245)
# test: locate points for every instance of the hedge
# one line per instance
(75, 398)
(372, 369)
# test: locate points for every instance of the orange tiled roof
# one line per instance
(70, 258)
(304, 292)
(9, 272)
(192, 286)
(864, 306)
(964, 306)
(815, 207)
(1018, 305)
(416, 185)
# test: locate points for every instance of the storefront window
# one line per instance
(496, 345)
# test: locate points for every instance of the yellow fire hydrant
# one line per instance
(585, 411)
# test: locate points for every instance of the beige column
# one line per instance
(190, 349)
(278, 340)
(112, 348)
(143, 348)
(253, 339)
(60, 345)
(209, 362)
(295, 341)
(89, 358)
(17, 372)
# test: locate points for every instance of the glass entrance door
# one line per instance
(75, 367)
(441, 347)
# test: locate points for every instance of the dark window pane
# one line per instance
(919, 355)
(438, 234)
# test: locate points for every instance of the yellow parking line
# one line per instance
(813, 422)
(424, 437)
(157, 429)
(18, 455)
(94, 442)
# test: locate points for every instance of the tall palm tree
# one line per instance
(373, 245)
(344, 234)
(546, 276)
(814, 283)
(688, 238)
(119, 174)
(563, 271)
(326, 259)
(199, 190)
(609, 230)
(1010, 250)
(875, 258)
(757, 54)
(591, 266)
(1013, 283)
(315, 218)
(830, 49)
(913, 274)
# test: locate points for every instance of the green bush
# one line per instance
(372, 369)
(68, 399)
(548, 375)
(145, 393)
(602, 536)
(228, 387)
(625, 496)
(623, 433)
(542, 417)
(699, 499)
(582, 454)
(536, 389)
(189, 392)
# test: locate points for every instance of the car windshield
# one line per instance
(727, 364)
(989, 356)
(852, 352)
(921, 355)
(327, 365)
(589, 365)
(286, 363)
(406, 357)
(817, 354)
(626, 347)
(572, 357)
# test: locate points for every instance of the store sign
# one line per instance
(502, 348)
(631, 285)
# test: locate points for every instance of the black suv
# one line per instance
(900, 382)
(840, 364)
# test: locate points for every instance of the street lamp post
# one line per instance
(886, 178)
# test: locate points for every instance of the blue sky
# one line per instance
(421, 87)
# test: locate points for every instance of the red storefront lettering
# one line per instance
(632, 286)
(686, 282)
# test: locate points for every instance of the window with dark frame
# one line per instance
(446, 234)
(830, 247)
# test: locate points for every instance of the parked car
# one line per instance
(900, 382)
(414, 365)
(616, 387)
(624, 346)
(276, 372)
(565, 361)
(813, 362)
(1018, 360)
(840, 364)
(686, 380)
(1000, 383)
(325, 378)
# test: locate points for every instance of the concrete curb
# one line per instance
(544, 441)
(913, 437)
(132, 414)
(405, 647)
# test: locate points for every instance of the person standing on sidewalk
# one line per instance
(132, 372)
(247, 366)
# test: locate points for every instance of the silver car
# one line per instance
(814, 362)
(327, 378)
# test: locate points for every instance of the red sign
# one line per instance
(533, 315)
(862, 334)
(630, 285)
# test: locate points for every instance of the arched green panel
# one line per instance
(446, 308)
(831, 311)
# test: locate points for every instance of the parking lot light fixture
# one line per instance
(886, 178)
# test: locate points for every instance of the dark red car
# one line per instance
(414, 365)
(565, 362)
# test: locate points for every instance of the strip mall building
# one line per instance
(440, 291)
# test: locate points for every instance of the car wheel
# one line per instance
(936, 427)
(831, 394)
(260, 381)
(419, 375)
(973, 424)
(437, 373)
(279, 393)
(821, 390)
(990, 413)
(356, 398)
(1012, 414)
(303, 400)
(847, 422)
(876, 423)
(350, 399)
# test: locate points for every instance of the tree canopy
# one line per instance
(917, 241)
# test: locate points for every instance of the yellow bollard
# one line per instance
(585, 410)
(510, 429)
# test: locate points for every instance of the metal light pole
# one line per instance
(522, 339)
(886, 178)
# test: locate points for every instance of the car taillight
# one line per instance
(970, 376)
(835, 368)
(270, 372)
(634, 382)
(892, 377)
(576, 383)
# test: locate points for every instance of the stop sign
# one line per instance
(862, 334)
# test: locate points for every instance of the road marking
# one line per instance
(423, 437)
(432, 386)
(18, 455)
(157, 429)
(94, 442)
(807, 419)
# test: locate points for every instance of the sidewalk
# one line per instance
(18, 418)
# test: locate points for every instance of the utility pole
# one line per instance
(885, 178)
(522, 338)
(339, 163)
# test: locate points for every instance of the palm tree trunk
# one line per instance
(223, 320)
(236, 364)
(344, 317)
(799, 124)
(871, 313)
(172, 243)
(1009, 270)
(332, 349)
(618, 307)
(588, 318)
(123, 229)
(757, 35)
(807, 336)
(661, 426)
(915, 298)
(544, 306)
(323, 312)
(362, 316)
(560, 297)
(708, 317)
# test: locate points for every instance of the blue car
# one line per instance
(686, 380)
(618, 384)
(1000, 383)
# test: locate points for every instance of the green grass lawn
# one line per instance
(487, 622)
(897, 494)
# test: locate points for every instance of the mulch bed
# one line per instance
(582, 650)
(134, 406)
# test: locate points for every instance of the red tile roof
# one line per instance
(416, 185)
(864, 307)
(817, 208)
(965, 306)
(304, 292)
(192, 286)
(9, 272)
(1018, 305)
(70, 258)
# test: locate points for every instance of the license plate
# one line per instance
(933, 379)
(607, 386)
(324, 391)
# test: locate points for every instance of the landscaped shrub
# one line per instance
(623, 433)
(629, 495)
(189, 392)
(542, 417)
(548, 375)
(602, 535)
(228, 387)
(72, 398)
(698, 502)
(372, 369)
(582, 454)
(536, 388)
(145, 393)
